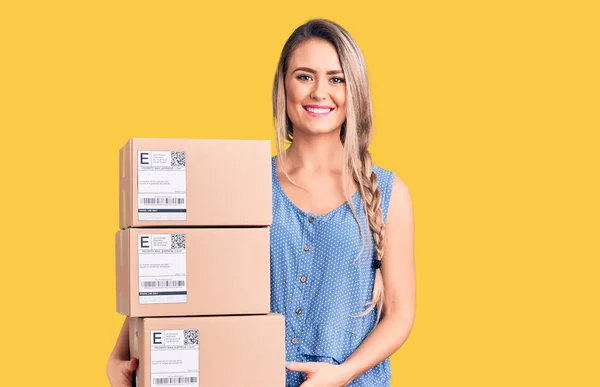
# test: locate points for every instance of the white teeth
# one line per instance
(318, 111)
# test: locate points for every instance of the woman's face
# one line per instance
(315, 88)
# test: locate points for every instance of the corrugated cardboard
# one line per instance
(227, 272)
(224, 183)
(232, 351)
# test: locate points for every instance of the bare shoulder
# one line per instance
(400, 188)
(401, 206)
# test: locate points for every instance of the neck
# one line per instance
(316, 152)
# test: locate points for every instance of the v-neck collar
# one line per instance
(278, 186)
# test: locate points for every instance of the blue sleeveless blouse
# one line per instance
(318, 283)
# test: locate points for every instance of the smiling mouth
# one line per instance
(317, 112)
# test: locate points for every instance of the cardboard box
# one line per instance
(216, 351)
(195, 182)
(192, 271)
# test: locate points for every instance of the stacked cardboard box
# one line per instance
(193, 263)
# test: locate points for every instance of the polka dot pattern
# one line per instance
(319, 281)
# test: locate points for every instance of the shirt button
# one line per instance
(298, 311)
(294, 341)
(303, 279)
(311, 219)
(306, 248)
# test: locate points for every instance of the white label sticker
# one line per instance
(161, 185)
(162, 268)
(174, 357)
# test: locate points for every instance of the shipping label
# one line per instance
(162, 268)
(174, 357)
(161, 185)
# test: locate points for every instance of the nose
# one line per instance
(319, 90)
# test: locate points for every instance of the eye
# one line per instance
(339, 80)
(301, 77)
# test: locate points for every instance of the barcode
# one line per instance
(162, 283)
(162, 201)
(177, 241)
(190, 336)
(178, 159)
(180, 380)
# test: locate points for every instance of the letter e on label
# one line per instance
(145, 241)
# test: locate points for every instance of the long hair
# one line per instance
(356, 132)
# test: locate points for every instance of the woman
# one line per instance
(328, 240)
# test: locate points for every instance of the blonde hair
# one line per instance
(356, 132)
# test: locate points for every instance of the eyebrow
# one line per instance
(309, 70)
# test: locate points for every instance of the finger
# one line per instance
(301, 366)
(293, 366)
(128, 366)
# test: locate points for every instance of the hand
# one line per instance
(320, 374)
(120, 372)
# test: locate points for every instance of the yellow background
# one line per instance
(489, 110)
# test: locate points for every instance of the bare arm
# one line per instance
(398, 270)
(121, 350)
(120, 367)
